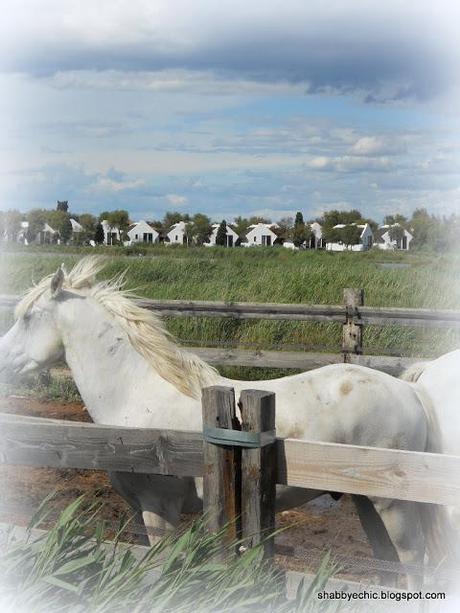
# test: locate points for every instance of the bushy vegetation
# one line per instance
(46, 387)
(277, 275)
(72, 568)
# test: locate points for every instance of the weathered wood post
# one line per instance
(239, 466)
(352, 339)
(221, 463)
(258, 469)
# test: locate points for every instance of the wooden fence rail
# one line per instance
(370, 471)
(353, 315)
(296, 312)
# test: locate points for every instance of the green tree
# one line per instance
(285, 229)
(62, 205)
(241, 226)
(255, 219)
(396, 233)
(10, 224)
(221, 236)
(99, 234)
(350, 235)
(299, 234)
(200, 228)
(425, 229)
(88, 222)
(172, 217)
(334, 217)
(390, 220)
(331, 234)
(37, 219)
(66, 230)
(119, 220)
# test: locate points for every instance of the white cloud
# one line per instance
(171, 81)
(375, 145)
(176, 199)
(111, 185)
(349, 163)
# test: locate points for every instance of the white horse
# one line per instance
(130, 373)
(440, 380)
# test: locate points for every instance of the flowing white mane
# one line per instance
(145, 330)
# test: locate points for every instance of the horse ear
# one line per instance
(57, 282)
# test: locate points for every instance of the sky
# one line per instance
(230, 108)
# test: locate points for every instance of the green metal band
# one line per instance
(238, 438)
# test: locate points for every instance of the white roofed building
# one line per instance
(76, 226)
(177, 234)
(112, 234)
(402, 242)
(143, 232)
(260, 234)
(316, 239)
(231, 236)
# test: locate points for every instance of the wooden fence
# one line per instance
(353, 315)
(388, 473)
(253, 472)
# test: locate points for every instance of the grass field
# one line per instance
(273, 275)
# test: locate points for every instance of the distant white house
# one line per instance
(111, 233)
(366, 239)
(290, 245)
(260, 234)
(76, 226)
(46, 235)
(316, 239)
(21, 236)
(177, 234)
(142, 232)
(231, 236)
(385, 241)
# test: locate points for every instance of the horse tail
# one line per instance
(413, 373)
(441, 541)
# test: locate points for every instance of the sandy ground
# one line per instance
(313, 529)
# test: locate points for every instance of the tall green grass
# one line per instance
(72, 568)
(277, 275)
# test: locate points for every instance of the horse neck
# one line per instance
(117, 385)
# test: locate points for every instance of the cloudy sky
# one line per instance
(241, 107)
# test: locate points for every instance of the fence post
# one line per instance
(221, 464)
(352, 338)
(258, 470)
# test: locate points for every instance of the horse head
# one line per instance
(34, 341)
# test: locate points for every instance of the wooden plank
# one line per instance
(56, 443)
(221, 466)
(390, 364)
(352, 329)
(405, 475)
(258, 472)
(393, 365)
(370, 471)
(295, 312)
(298, 359)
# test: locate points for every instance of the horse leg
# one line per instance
(377, 535)
(159, 499)
(403, 522)
(123, 483)
(288, 497)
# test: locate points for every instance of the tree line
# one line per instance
(429, 231)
